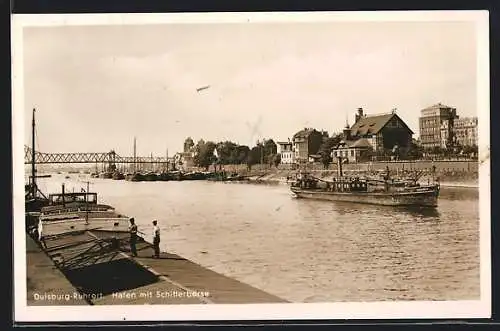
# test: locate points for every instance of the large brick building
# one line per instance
(431, 125)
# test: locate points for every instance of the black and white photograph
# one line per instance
(251, 166)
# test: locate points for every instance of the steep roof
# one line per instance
(373, 124)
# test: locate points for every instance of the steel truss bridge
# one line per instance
(110, 157)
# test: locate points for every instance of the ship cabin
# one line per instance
(60, 203)
(347, 185)
(339, 184)
(78, 197)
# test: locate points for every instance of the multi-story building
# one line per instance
(431, 125)
(285, 149)
(375, 133)
(305, 143)
(463, 132)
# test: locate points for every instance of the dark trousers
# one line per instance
(133, 249)
(156, 246)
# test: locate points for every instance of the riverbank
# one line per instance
(276, 176)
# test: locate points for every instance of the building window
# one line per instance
(352, 152)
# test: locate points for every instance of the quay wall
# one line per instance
(445, 170)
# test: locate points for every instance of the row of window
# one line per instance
(343, 153)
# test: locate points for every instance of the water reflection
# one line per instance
(308, 250)
(459, 193)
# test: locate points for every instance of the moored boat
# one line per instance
(106, 175)
(150, 177)
(118, 175)
(135, 177)
(164, 176)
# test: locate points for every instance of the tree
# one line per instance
(270, 149)
(254, 156)
(415, 151)
(325, 150)
(276, 160)
(227, 152)
(204, 154)
(243, 152)
(188, 144)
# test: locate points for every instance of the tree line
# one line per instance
(207, 153)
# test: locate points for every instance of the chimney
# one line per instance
(359, 114)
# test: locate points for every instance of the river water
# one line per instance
(306, 250)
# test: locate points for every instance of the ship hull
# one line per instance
(423, 198)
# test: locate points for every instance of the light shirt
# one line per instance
(156, 231)
(40, 229)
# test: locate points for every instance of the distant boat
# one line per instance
(194, 176)
(106, 175)
(150, 177)
(135, 177)
(165, 176)
(118, 175)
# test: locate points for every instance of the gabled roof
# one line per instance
(373, 124)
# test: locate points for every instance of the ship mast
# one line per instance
(135, 168)
(33, 170)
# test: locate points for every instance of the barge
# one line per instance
(387, 191)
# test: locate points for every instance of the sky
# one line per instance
(95, 88)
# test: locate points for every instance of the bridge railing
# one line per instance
(110, 157)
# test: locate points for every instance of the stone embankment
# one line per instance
(450, 173)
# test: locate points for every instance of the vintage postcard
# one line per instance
(244, 166)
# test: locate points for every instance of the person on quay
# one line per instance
(156, 239)
(41, 238)
(133, 236)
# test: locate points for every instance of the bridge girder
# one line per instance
(110, 157)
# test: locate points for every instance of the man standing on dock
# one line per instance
(156, 239)
(133, 236)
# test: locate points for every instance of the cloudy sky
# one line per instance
(96, 87)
